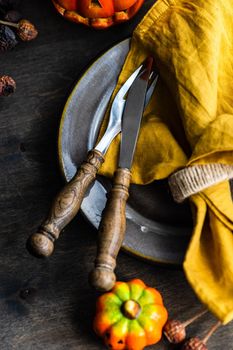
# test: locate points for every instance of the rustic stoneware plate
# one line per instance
(157, 229)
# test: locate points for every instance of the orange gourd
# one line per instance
(130, 316)
(99, 14)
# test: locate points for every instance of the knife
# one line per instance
(113, 223)
(67, 203)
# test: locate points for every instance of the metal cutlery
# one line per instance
(113, 223)
(67, 203)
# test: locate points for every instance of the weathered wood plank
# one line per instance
(47, 304)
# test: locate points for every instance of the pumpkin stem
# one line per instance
(131, 309)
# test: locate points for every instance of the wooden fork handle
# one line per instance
(111, 232)
(65, 206)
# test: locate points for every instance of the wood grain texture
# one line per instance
(48, 304)
(65, 206)
(111, 232)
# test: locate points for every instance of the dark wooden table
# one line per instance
(48, 304)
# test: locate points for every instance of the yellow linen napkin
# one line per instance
(189, 122)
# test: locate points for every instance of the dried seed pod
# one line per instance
(194, 344)
(26, 30)
(174, 331)
(7, 38)
(198, 344)
(7, 85)
(13, 16)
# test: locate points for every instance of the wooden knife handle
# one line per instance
(111, 232)
(65, 206)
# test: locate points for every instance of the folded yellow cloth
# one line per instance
(188, 122)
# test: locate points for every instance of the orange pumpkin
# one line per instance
(99, 14)
(130, 316)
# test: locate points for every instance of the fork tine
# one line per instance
(125, 87)
(152, 83)
(114, 123)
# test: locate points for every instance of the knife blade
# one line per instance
(68, 201)
(113, 222)
(132, 115)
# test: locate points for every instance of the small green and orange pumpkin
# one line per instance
(99, 14)
(130, 316)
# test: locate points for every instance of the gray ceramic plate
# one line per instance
(157, 228)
